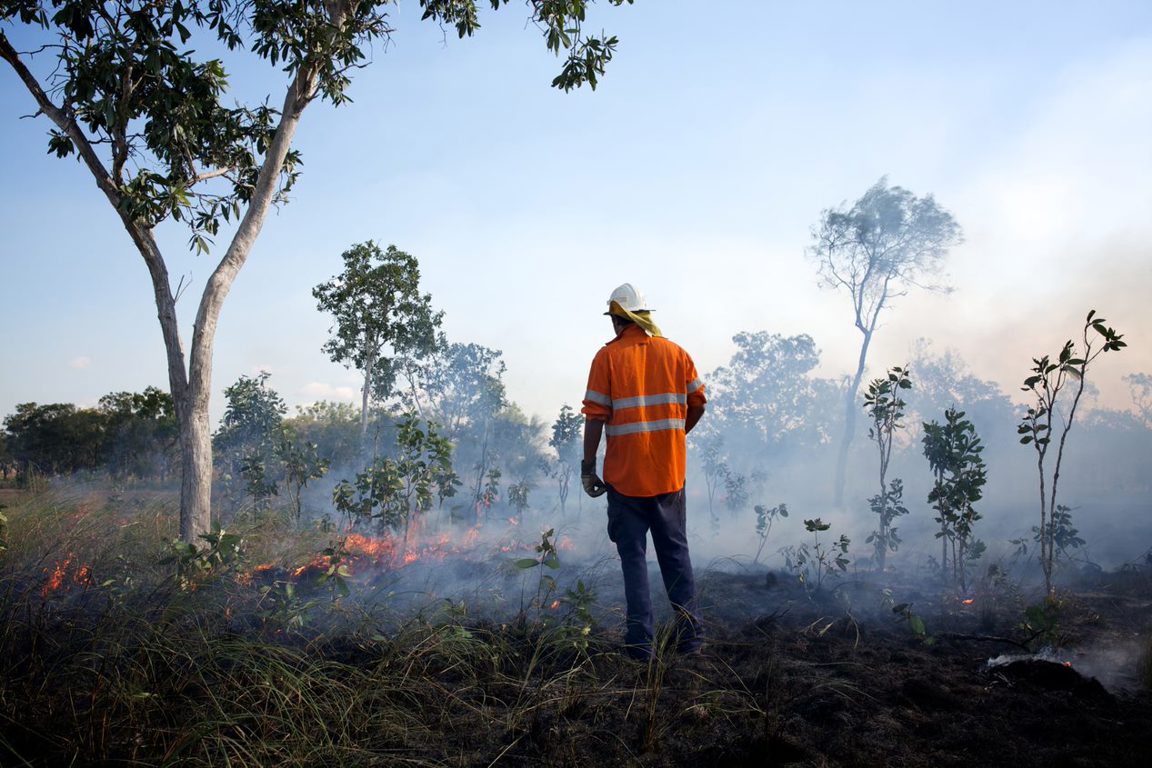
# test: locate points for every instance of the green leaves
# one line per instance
(561, 25)
(953, 452)
(394, 490)
(815, 525)
(60, 144)
(382, 320)
(1056, 389)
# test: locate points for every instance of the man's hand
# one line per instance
(593, 485)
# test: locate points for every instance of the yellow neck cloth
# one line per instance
(642, 319)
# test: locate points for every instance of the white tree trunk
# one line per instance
(192, 386)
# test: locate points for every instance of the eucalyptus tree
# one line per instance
(145, 113)
(248, 442)
(765, 397)
(381, 320)
(55, 438)
(333, 427)
(140, 433)
(459, 386)
(1140, 386)
(888, 242)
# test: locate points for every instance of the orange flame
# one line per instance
(58, 578)
(968, 601)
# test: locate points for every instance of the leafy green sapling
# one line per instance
(765, 517)
(1056, 387)
(395, 490)
(302, 462)
(886, 408)
(953, 451)
(546, 557)
(816, 563)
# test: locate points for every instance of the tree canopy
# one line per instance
(382, 324)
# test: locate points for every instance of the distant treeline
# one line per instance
(769, 422)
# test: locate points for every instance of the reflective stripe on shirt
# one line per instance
(613, 430)
(643, 400)
(694, 385)
(598, 397)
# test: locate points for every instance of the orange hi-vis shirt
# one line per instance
(641, 387)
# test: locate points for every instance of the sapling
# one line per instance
(567, 433)
(222, 552)
(1052, 412)
(1064, 536)
(484, 496)
(765, 517)
(953, 450)
(886, 408)
(546, 557)
(518, 496)
(735, 492)
(302, 462)
(395, 490)
(711, 445)
(814, 564)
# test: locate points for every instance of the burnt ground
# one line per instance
(785, 680)
(845, 685)
(874, 670)
(857, 676)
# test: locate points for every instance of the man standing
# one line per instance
(643, 391)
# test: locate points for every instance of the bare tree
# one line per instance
(877, 250)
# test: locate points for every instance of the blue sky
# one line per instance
(695, 171)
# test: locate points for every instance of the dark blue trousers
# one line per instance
(630, 519)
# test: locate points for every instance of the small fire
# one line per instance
(968, 601)
(360, 554)
(358, 543)
(555, 604)
(471, 537)
(58, 578)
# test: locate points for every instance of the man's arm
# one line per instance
(591, 481)
(593, 429)
(694, 414)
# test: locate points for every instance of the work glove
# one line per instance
(593, 485)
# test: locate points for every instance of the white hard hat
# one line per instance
(628, 298)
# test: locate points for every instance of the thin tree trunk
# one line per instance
(850, 420)
(364, 396)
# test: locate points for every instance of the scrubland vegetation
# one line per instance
(270, 644)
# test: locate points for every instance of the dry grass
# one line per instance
(115, 653)
(112, 654)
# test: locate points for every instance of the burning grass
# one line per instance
(116, 651)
